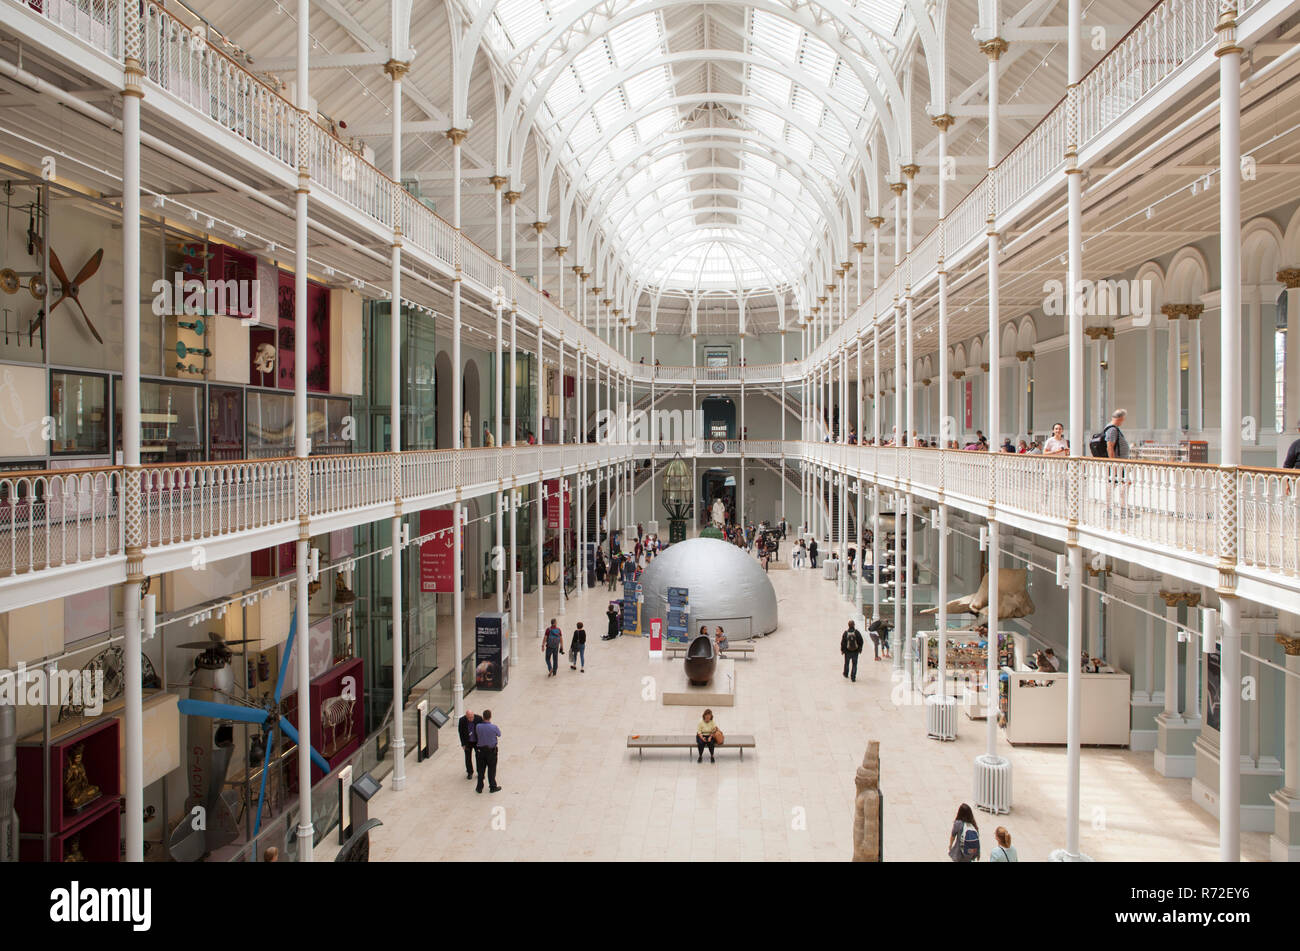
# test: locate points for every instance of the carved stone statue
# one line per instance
(719, 515)
(78, 790)
(468, 431)
(868, 814)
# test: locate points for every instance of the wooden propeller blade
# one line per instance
(55, 264)
(87, 319)
(89, 268)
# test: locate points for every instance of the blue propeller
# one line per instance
(261, 717)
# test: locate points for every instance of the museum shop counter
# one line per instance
(1036, 706)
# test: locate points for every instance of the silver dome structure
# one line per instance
(727, 587)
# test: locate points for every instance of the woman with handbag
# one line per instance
(707, 734)
(578, 648)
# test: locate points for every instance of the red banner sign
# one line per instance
(553, 505)
(437, 561)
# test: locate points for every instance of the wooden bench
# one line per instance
(678, 650)
(659, 741)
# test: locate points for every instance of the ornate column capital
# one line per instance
(1172, 599)
(498, 181)
(861, 246)
(1096, 333)
(1289, 277)
(396, 69)
(910, 170)
(1023, 355)
(457, 136)
(898, 187)
(876, 221)
(944, 121)
(561, 250)
(1290, 644)
(994, 48)
(512, 196)
(539, 226)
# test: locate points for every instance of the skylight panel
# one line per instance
(636, 39)
(769, 84)
(522, 20)
(774, 34)
(646, 87)
(817, 59)
(623, 144)
(610, 109)
(655, 124)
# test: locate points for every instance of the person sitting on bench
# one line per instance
(706, 735)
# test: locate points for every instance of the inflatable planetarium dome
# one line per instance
(727, 586)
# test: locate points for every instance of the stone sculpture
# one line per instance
(868, 809)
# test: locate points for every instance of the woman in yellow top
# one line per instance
(706, 735)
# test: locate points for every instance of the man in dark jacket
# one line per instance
(465, 726)
(851, 646)
(812, 552)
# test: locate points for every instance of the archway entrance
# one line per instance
(717, 484)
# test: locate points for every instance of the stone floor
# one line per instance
(572, 791)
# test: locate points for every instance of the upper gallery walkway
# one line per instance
(197, 95)
(64, 531)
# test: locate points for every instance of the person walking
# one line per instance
(874, 629)
(812, 553)
(465, 726)
(964, 843)
(552, 647)
(706, 734)
(487, 734)
(578, 648)
(611, 620)
(799, 554)
(851, 645)
(1117, 448)
(1003, 851)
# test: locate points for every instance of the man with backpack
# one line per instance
(851, 645)
(1110, 443)
(552, 647)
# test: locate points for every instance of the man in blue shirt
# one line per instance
(552, 647)
(487, 734)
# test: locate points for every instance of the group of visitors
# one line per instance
(964, 840)
(805, 552)
(478, 738)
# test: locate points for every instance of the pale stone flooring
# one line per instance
(573, 792)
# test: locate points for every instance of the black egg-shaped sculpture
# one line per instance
(701, 660)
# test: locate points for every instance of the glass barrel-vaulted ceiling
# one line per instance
(710, 141)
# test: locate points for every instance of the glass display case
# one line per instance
(225, 423)
(79, 406)
(171, 421)
(269, 424)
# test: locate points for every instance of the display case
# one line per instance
(268, 424)
(225, 423)
(79, 407)
(171, 421)
(84, 764)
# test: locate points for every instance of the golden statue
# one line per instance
(73, 853)
(78, 790)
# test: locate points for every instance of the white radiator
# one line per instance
(941, 718)
(993, 784)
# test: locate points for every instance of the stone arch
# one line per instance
(1261, 252)
(442, 376)
(1188, 277)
